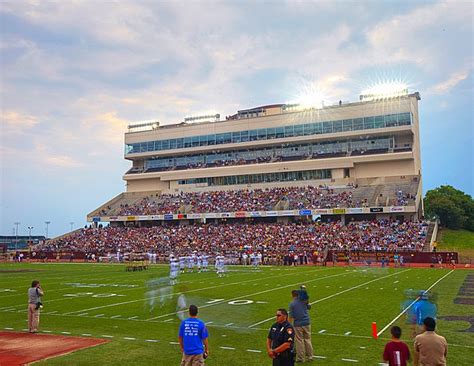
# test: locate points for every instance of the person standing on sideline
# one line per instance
(299, 317)
(34, 305)
(396, 352)
(280, 340)
(193, 337)
(430, 348)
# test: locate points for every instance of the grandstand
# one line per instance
(350, 161)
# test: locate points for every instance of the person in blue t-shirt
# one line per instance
(193, 339)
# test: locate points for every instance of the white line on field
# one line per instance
(82, 314)
(66, 332)
(254, 350)
(249, 295)
(107, 336)
(86, 334)
(223, 347)
(168, 320)
(129, 338)
(414, 301)
(349, 360)
(336, 294)
(174, 343)
(98, 315)
(347, 333)
(152, 340)
(47, 331)
(8, 328)
(322, 331)
(229, 324)
(133, 317)
(321, 357)
(185, 292)
(115, 316)
(209, 323)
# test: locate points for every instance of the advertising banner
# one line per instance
(355, 210)
(271, 213)
(168, 217)
(241, 214)
(376, 209)
(305, 213)
(338, 211)
(194, 216)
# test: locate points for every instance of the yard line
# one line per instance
(115, 316)
(228, 325)
(249, 295)
(174, 343)
(133, 317)
(8, 328)
(223, 347)
(336, 294)
(254, 350)
(322, 331)
(152, 340)
(107, 336)
(349, 360)
(98, 315)
(414, 301)
(321, 357)
(66, 332)
(47, 331)
(129, 338)
(168, 320)
(186, 292)
(86, 334)
(347, 333)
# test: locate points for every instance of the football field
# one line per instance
(140, 313)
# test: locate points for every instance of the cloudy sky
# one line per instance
(75, 73)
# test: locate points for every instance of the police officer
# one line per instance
(280, 340)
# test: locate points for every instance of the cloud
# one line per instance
(19, 121)
(454, 79)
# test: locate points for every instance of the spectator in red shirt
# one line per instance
(396, 352)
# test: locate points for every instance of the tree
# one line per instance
(454, 208)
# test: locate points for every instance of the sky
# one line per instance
(74, 74)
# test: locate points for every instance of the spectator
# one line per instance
(396, 352)
(193, 339)
(430, 348)
(300, 319)
(34, 306)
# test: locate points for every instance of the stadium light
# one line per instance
(384, 90)
(311, 96)
(29, 233)
(71, 223)
(47, 224)
(16, 234)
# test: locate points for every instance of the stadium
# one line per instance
(273, 197)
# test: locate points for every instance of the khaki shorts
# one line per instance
(192, 360)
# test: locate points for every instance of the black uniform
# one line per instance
(279, 334)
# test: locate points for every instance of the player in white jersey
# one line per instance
(199, 263)
(244, 259)
(182, 264)
(190, 263)
(259, 259)
(174, 270)
(205, 263)
(254, 260)
(220, 265)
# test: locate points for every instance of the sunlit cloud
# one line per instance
(447, 85)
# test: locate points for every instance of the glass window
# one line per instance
(187, 142)
(337, 126)
(165, 144)
(327, 127)
(220, 138)
(280, 132)
(179, 143)
(195, 141)
(172, 143)
(404, 119)
(236, 137)
(298, 130)
(203, 140)
(308, 129)
(358, 123)
(271, 133)
(379, 122)
(227, 138)
(244, 136)
(253, 135)
(369, 122)
(318, 128)
(391, 120)
(347, 125)
(262, 134)
(211, 139)
(289, 131)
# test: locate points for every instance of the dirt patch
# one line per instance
(23, 348)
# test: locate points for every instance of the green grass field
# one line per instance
(102, 300)
(461, 241)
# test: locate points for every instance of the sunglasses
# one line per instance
(278, 315)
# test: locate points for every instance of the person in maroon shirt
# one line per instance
(396, 352)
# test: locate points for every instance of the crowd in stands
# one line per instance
(233, 238)
(292, 198)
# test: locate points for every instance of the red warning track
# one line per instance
(23, 348)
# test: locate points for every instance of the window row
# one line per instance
(304, 150)
(261, 178)
(392, 120)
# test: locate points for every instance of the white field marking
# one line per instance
(129, 338)
(174, 343)
(322, 331)
(362, 347)
(115, 316)
(52, 312)
(383, 364)
(227, 325)
(133, 317)
(86, 334)
(261, 302)
(231, 348)
(254, 350)
(399, 281)
(8, 328)
(66, 332)
(168, 320)
(98, 315)
(25, 329)
(249, 295)
(347, 333)
(349, 360)
(47, 331)
(152, 340)
(209, 323)
(321, 357)
(414, 301)
(107, 336)
(184, 292)
(336, 294)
